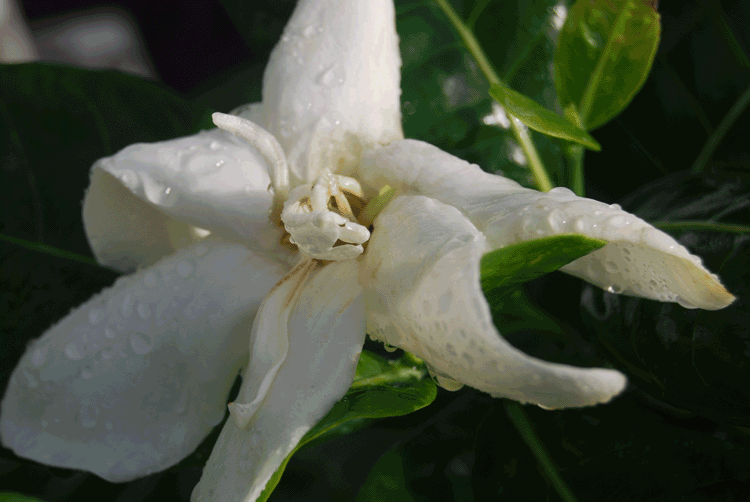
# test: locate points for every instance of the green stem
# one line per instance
(713, 141)
(574, 154)
(521, 422)
(519, 130)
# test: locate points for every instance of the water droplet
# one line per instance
(108, 425)
(144, 311)
(110, 333)
(285, 38)
(556, 220)
(201, 250)
(182, 404)
(389, 348)
(87, 415)
(39, 357)
(615, 288)
(44, 424)
(610, 267)
(308, 31)
(562, 191)
(149, 279)
(214, 145)
(73, 352)
(127, 305)
(447, 383)
(618, 221)
(597, 213)
(86, 372)
(96, 316)
(105, 354)
(140, 343)
(184, 268)
(616, 207)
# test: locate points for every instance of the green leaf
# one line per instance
(381, 388)
(541, 119)
(387, 481)
(694, 360)
(604, 54)
(527, 260)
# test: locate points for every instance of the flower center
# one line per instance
(321, 221)
(319, 217)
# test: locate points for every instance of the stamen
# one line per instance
(266, 145)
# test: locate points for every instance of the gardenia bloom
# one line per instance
(131, 382)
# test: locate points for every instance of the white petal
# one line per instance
(331, 86)
(325, 329)
(423, 295)
(145, 201)
(638, 259)
(131, 381)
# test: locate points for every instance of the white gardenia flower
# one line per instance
(131, 382)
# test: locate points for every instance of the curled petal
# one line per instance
(131, 381)
(424, 296)
(638, 259)
(148, 200)
(324, 321)
(331, 87)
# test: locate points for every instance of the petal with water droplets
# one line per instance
(638, 259)
(424, 296)
(131, 381)
(331, 87)
(148, 200)
(324, 321)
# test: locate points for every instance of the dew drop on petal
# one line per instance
(214, 145)
(144, 311)
(86, 372)
(39, 357)
(616, 207)
(610, 267)
(87, 415)
(96, 316)
(127, 305)
(105, 354)
(184, 268)
(150, 279)
(562, 191)
(556, 220)
(389, 348)
(140, 343)
(110, 333)
(73, 352)
(615, 288)
(108, 425)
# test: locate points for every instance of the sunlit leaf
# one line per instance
(604, 54)
(541, 119)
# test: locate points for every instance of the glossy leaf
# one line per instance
(541, 119)
(527, 260)
(381, 388)
(694, 360)
(604, 54)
